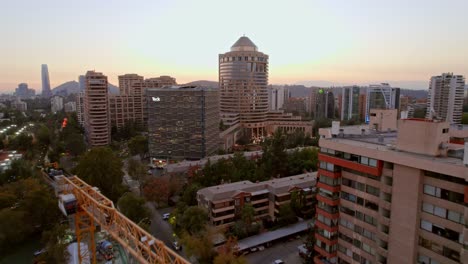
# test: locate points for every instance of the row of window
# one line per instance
(357, 229)
(370, 176)
(361, 201)
(240, 58)
(444, 194)
(328, 166)
(327, 221)
(439, 249)
(442, 231)
(444, 177)
(358, 243)
(351, 254)
(329, 181)
(324, 246)
(361, 187)
(351, 157)
(358, 215)
(444, 213)
(426, 260)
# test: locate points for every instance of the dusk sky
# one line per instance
(343, 42)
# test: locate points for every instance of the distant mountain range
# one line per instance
(73, 87)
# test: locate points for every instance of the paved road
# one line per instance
(286, 251)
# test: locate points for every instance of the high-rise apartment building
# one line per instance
(80, 106)
(296, 105)
(445, 98)
(160, 81)
(324, 104)
(96, 109)
(82, 82)
(19, 105)
(69, 107)
(349, 103)
(243, 85)
(276, 97)
(382, 96)
(394, 197)
(183, 122)
(46, 92)
(23, 92)
(56, 103)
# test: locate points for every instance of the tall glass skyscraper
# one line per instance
(46, 92)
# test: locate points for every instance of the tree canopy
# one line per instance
(100, 167)
(138, 145)
(133, 207)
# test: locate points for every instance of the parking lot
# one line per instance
(286, 251)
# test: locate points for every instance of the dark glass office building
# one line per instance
(183, 122)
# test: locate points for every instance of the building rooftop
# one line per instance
(244, 44)
(417, 147)
(280, 185)
(182, 88)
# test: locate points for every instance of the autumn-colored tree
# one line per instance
(200, 246)
(226, 253)
(157, 190)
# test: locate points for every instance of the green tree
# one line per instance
(20, 169)
(43, 135)
(309, 244)
(248, 214)
(189, 195)
(138, 145)
(465, 119)
(193, 220)
(22, 141)
(100, 167)
(9, 236)
(133, 207)
(274, 156)
(56, 248)
(286, 215)
(75, 144)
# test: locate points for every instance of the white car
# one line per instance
(166, 216)
(278, 261)
(176, 245)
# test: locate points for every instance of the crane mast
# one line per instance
(90, 207)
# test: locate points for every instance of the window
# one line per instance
(372, 190)
(428, 189)
(441, 212)
(365, 160)
(445, 130)
(372, 162)
(426, 225)
(428, 208)
(455, 216)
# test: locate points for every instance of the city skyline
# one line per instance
(329, 43)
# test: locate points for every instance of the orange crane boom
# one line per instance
(94, 207)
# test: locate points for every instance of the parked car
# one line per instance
(176, 245)
(261, 248)
(278, 261)
(166, 216)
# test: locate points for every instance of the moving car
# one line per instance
(278, 261)
(166, 216)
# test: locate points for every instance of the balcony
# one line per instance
(330, 188)
(321, 260)
(329, 241)
(259, 201)
(324, 253)
(323, 212)
(377, 171)
(222, 209)
(334, 175)
(328, 200)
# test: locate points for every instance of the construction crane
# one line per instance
(90, 207)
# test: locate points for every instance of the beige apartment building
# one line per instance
(392, 197)
(96, 109)
(224, 202)
(445, 97)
